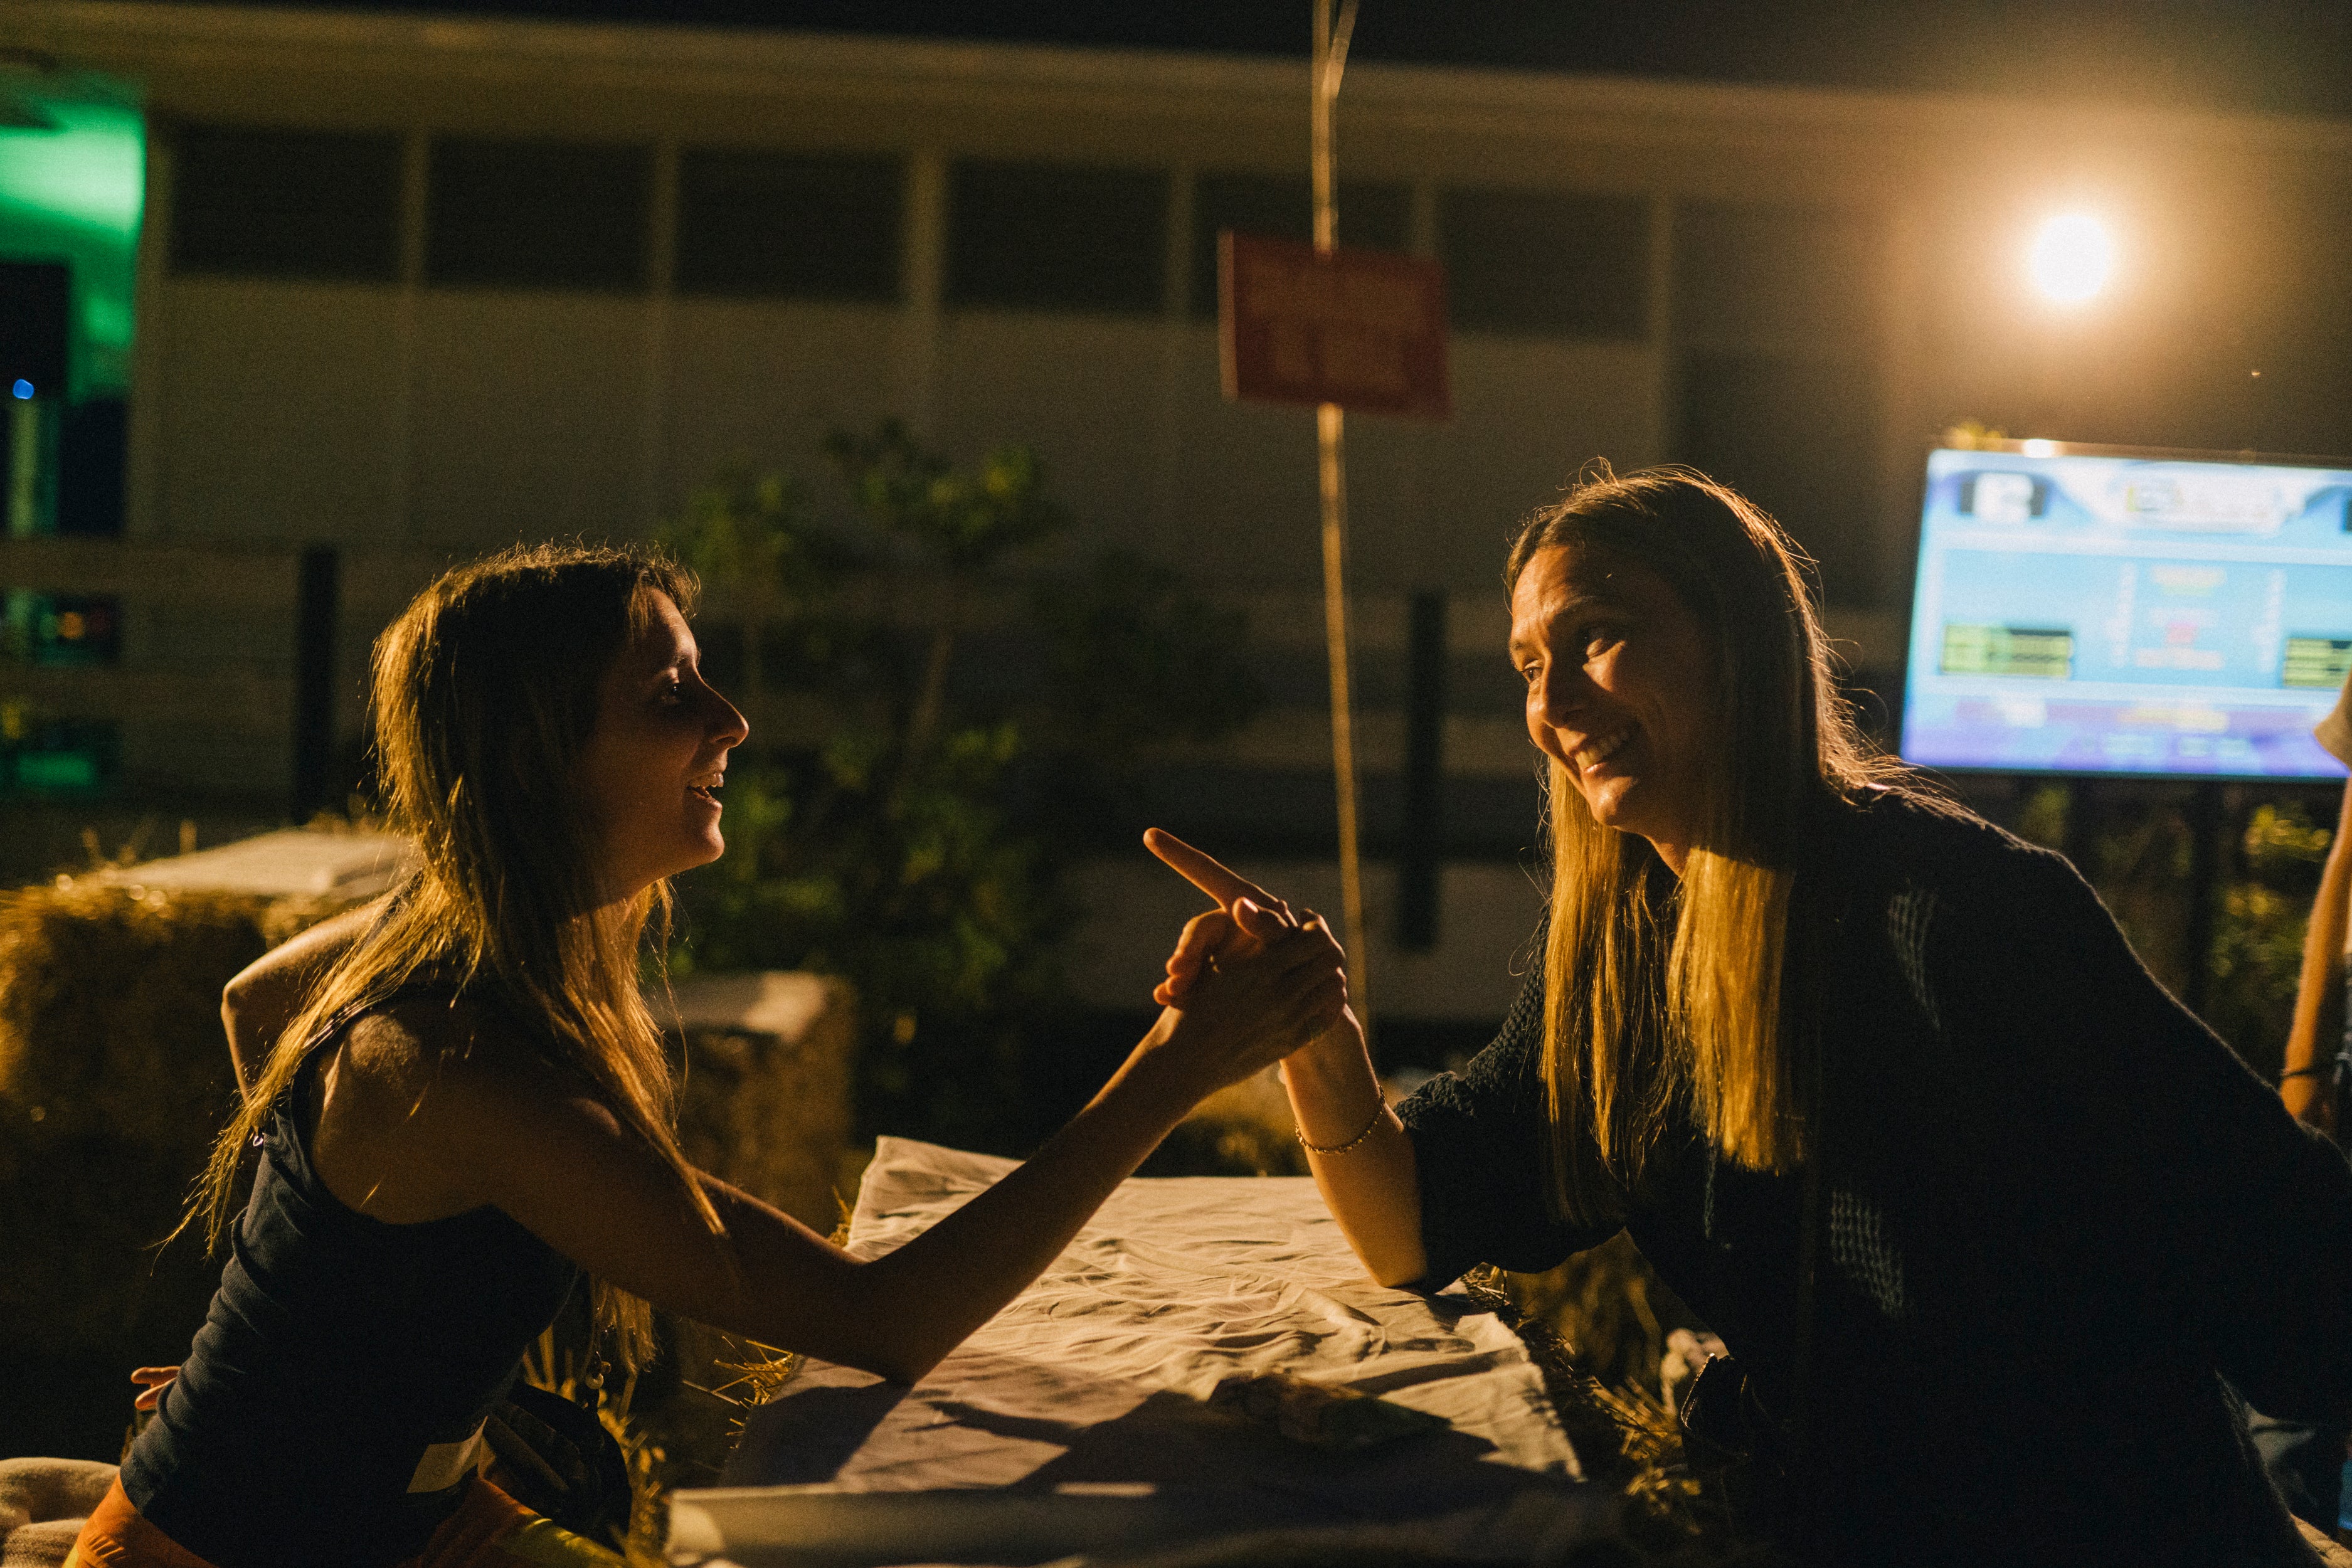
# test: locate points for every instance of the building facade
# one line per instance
(409, 288)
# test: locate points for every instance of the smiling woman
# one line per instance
(1881, 1092)
(462, 1107)
(657, 758)
(1620, 691)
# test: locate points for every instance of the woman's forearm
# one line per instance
(1366, 1173)
(928, 1295)
(2319, 995)
(770, 1278)
(913, 1306)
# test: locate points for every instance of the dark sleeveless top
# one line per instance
(330, 1407)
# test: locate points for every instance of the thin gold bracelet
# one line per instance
(1379, 1111)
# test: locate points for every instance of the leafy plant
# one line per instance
(2256, 960)
(2140, 853)
(948, 717)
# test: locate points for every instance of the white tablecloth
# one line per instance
(1070, 1425)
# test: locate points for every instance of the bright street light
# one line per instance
(2072, 257)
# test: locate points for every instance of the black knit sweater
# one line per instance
(2054, 1213)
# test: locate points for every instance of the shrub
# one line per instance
(943, 758)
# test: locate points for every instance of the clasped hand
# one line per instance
(1248, 927)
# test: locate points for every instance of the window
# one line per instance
(537, 216)
(93, 450)
(770, 224)
(60, 630)
(57, 757)
(1788, 275)
(36, 329)
(1375, 216)
(1533, 261)
(285, 203)
(1798, 438)
(1045, 236)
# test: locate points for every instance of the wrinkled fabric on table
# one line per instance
(1081, 1402)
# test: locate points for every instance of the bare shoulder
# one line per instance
(414, 1099)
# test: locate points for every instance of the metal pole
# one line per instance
(1331, 61)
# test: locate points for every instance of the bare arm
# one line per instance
(2318, 1027)
(409, 1145)
(262, 1000)
(1370, 1185)
(1371, 1188)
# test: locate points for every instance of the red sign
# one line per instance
(1363, 329)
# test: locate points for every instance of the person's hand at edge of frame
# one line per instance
(153, 1381)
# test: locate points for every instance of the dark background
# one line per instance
(2290, 56)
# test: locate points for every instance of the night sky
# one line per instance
(2277, 56)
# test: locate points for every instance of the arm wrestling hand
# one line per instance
(1253, 1009)
(1219, 933)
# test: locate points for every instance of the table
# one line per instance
(1070, 1429)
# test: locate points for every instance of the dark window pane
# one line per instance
(91, 454)
(537, 216)
(762, 223)
(1374, 217)
(1749, 273)
(1055, 239)
(1798, 438)
(63, 757)
(1532, 261)
(35, 326)
(60, 630)
(285, 203)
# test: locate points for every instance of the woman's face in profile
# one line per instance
(657, 756)
(1619, 690)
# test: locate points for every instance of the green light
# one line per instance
(65, 773)
(76, 195)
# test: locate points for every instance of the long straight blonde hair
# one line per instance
(486, 690)
(1642, 1022)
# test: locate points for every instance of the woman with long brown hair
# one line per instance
(1985, 1217)
(470, 1108)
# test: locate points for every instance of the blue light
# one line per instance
(22, 389)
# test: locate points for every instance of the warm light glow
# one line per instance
(2072, 257)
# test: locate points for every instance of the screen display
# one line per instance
(2080, 613)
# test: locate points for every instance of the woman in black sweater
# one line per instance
(1986, 1217)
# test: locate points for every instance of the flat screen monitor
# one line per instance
(2088, 611)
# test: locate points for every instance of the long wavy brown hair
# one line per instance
(486, 690)
(1644, 1023)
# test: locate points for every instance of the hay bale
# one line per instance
(766, 1101)
(114, 1077)
(109, 1008)
(349, 863)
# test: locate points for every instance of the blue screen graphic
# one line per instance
(2088, 614)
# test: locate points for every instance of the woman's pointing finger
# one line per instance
(1206, 873)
